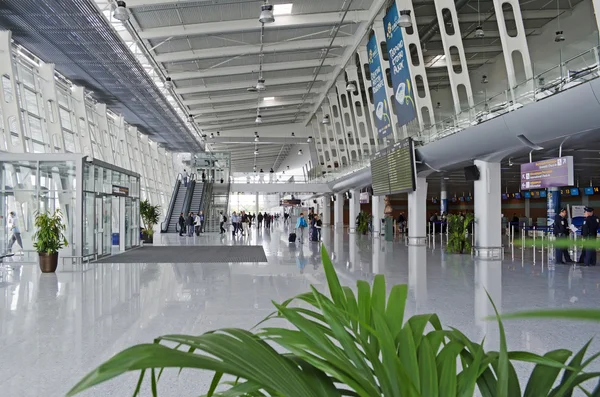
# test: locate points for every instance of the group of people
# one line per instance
(242, 221)
(191, 224)
(589, 231)
(315, 224)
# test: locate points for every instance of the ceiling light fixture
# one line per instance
(479, 33)
(288, 167)
(260, 84)
(190, 118)
(293, 134)
(272, 172)
(309, 140)
(121, 13)
(258, 119)
(484, 79)
(351, 87)
(269, 98)
(266, 13)
(300, 152)
(326, 120)
(438, 105)
(218, 133)
(559, 36)
(404, 21)
(168, 83)
(256, 139)
(256, 153)
(424, 48)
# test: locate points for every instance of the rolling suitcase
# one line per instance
(292, 238)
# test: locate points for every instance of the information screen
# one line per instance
(380, 174)
(402, 171)
(393, 169)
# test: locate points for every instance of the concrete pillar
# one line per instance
(378, 207)
(488, 211)
(417, 214)
(338, 210)
(354, 208)
(417, 274)
(354, 257)
(488, 280)
(326, 210)
(256, 209)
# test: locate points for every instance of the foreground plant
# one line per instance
(350, 345)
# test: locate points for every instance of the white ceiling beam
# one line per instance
(232, 51)
(490, 34)
(241, 85)
(236, 70)
(249, 123)
(244, 115)
(468, 49)
(144, 3)
(281, 130)
(249, 25)
(252, 96)
(246, 106)
(263, 141)
(474, 18)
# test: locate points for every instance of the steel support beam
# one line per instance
(216, 99)
(239, 85)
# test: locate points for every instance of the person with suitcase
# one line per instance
(300, 226)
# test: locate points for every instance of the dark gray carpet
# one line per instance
(190, 254)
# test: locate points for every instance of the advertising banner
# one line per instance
(557, 172)
(383, 120)
(404, 100)
(553, 206)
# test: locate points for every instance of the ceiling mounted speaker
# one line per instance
(121, 13)
(266, 14)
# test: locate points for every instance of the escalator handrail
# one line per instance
(169, 214)
(187, 200)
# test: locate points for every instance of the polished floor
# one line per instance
(56, 328)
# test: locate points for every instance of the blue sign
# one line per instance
(383, 120)
(404, 100)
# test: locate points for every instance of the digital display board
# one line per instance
(380, 174)
(556, 172)
(393, 169)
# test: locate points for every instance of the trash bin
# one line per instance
(115, 239)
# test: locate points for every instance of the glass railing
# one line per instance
(563, 76)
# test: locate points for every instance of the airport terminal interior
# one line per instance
(176, 167)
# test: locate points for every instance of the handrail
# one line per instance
(187, 200)
(169, 214)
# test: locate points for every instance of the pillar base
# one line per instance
(488, 252)
(352, 230)
(417, 240)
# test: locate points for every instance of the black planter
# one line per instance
(147, 238)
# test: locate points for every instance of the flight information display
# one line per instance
(380, 174)
(393, 169)
(402, 167)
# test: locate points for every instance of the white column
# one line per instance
(11, 113)
(338, 210)
(82, 127)
(354, 208)
(348, 127)
(52, 119)
(359, 110)
(449, 41)
(337, 127)
(370, 106)
(488, 211)
(378, 207)
(102, 132)
(417, 214)
(380, 35)
(334, 151)
(417, 274)
(326, 210)
(596, 4)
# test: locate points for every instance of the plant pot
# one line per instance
(147, 238)
(48, 262)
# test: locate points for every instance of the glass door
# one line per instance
(107, 225)
(99, 227)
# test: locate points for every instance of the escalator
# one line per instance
(181, 202)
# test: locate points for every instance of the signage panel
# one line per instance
(402, 167)
(555, 172)
(364, 197)
(404, 101)
(120, 190)
(380, 174)
(383, 120)
(290, 202)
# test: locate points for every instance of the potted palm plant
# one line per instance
(150, 215)
(49, 238)
(362, 224)
(458, 233)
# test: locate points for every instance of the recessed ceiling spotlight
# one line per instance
(168, 83)
(266, 13)
(438, 105)
(121, 13)
(404, 21)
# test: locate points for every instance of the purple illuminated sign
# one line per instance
(556, 172)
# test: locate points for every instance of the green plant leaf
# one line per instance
(335, 288)
(396, 304)
(566, 314)
(427, 370)
(446, 369)
(542, 378)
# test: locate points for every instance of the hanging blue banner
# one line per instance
(404, 101)
(383, 121)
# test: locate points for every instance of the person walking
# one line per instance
(190, 224)
(181, 224)
(201, 221)
(197, 224)
(301, 225)
(234, 222)
(561, 230)
(222, 220)
(13, 226)
(260, 220)
(186, 176)
(589, 232)
(286, 217)
(243, 222)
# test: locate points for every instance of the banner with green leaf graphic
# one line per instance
(404, 101)
(383, 121)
